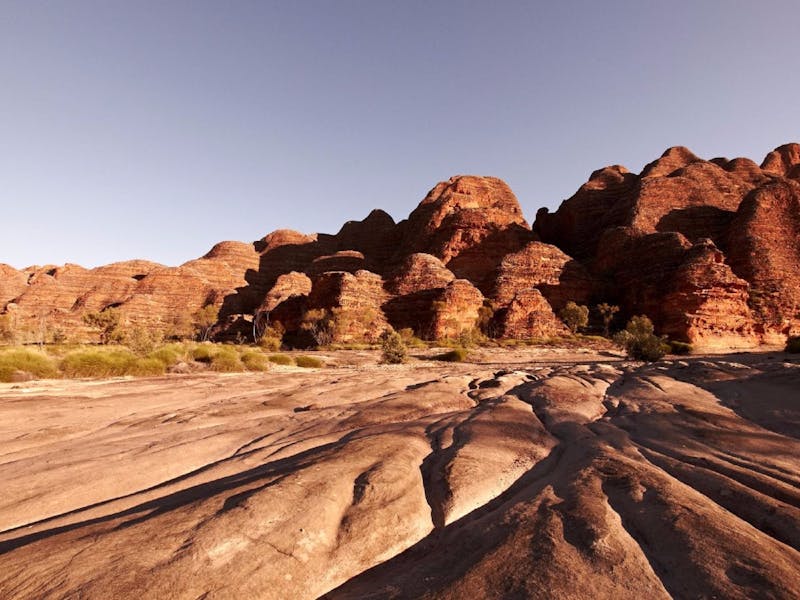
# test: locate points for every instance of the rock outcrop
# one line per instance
(351, 303)
(528, 315)
(469, 223)
(543, 266)
(12, 283)
(708, 249)
(708, 303)
(455, 310)
(636, 234)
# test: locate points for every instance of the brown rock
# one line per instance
(528, 315)
(782, 160)
(419, 272)
(677, 193)
(12, 284)
(764, 249)
(213, 279)
(58, 297)
(344, 260)
(708, 303)
(673, 159)
(469, 223)
(455, 310)
(376, 237)
(354, 302)
(542, 266)
(598, 205)
(287, 286)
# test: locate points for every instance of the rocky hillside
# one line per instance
(709, 249)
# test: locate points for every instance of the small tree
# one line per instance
(321, 324)
(393, 349)
(607, 312)
(640, 341)
(106, 322)
(574, 316)
(204, 319)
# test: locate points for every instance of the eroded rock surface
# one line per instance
(538, 480)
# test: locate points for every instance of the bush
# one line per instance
(679, 348)
(269, 342)
(454, 355)
(146, 366)
(99, 362)
(226, 360)
(793, 344)
(202, 353)
(141, 340)
(393, 349)
(281, 359)
(254, 360)
(308, 362)
(106, 322)
(204, 320)
(640, 341)
(36, 363)
(409, 339)
(574, 316)
(167, 355)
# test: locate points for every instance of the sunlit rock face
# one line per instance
(708, 249)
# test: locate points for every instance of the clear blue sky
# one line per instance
(145, 129)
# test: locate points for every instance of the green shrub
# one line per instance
(98, 362)
(793, 344)
(167, 355)
(639, 340)
(146, 366)
(226, 360)
(393, 349)
(281, 359)
(254, 360)
(308, 362)
(454, 355)
(574, 316)
(36, 363)
(270, 343)
(203, 353)
(679, 348)
(141, 340)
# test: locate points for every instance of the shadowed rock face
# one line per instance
(540, 479)
(622, 238)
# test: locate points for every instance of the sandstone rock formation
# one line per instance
(528, 315)
(543, 266)
(764, 249)
(469, 223)
(12, 283)
(455, 310)
(634, 233)
(708, 303)
(353, 301)
(707, 248)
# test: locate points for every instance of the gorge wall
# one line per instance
(708, 249)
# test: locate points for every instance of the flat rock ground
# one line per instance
(525, 474)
